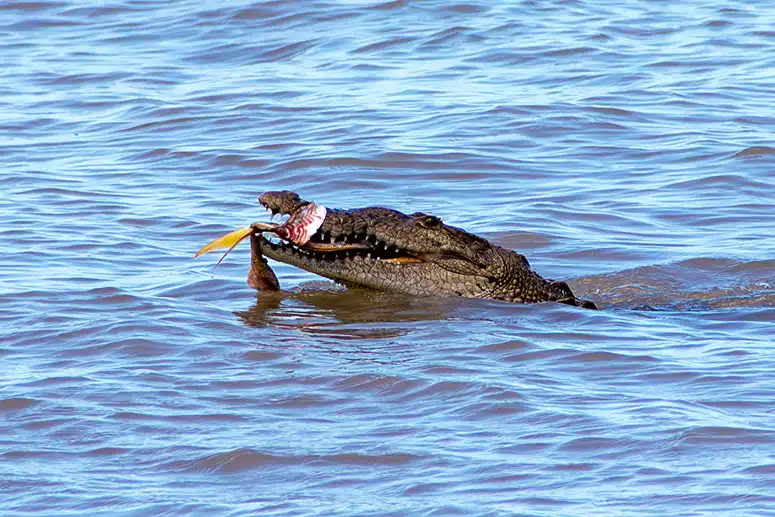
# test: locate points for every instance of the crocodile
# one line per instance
(387, 250)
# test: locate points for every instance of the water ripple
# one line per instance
(625, 148)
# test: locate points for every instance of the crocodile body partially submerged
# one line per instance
(387, 250)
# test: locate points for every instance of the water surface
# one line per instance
(626, 148)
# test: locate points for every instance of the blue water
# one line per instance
(627, 148)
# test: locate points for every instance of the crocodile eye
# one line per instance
(430, 222)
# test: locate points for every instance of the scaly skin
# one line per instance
(387, 250)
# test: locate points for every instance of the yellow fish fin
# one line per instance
(230, 240)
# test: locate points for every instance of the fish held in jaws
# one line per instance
(303, 224)
(298, 230)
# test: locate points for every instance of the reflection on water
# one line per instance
(322, 308)
(347, 305)
(624, 147)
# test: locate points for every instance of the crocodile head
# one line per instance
(419, 254)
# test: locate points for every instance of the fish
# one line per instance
(298, 229)
(303, 224)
